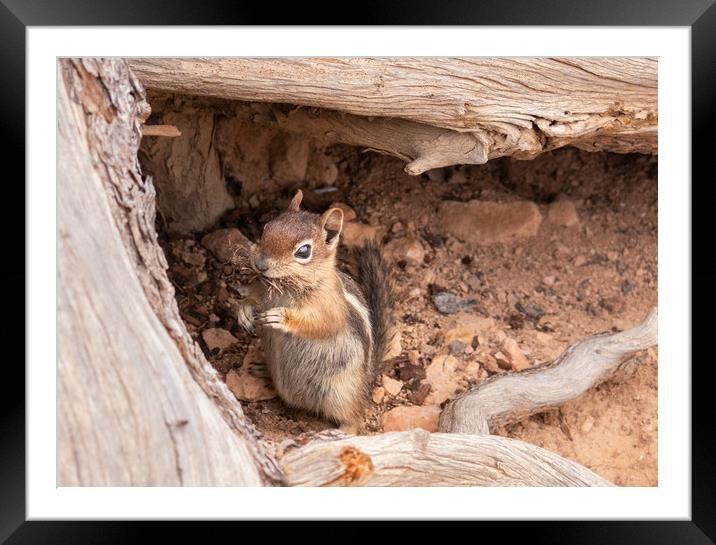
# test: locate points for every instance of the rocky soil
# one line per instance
(498, 268)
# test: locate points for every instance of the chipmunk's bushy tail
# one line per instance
(374, 278)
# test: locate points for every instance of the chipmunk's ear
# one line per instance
(331, 226)
(296, 201)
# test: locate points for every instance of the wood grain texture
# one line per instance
(507, 398)
(137, 402)
(422, 147)
(419, 458)
(516, 107)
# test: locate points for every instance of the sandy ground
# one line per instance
(545, 291)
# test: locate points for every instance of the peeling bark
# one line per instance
(419, 458)
(449, 110)
(138, 402)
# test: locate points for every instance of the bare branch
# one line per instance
(508, 398)
(419, 458)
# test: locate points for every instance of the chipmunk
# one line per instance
(323, 333)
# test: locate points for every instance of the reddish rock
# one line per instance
(290, 163)
(321, 169)
(408, 372)
(472, 368)
(502, 360)
(562, 213)
(516, 358)
(408, 418)
(482, 222)
(465, 326)
(418, 397)
(247, 387)
(489, 363)
(244, 385)
(193, 258)
(378, 395)
(443, 378)
(223, 243)
(587, 425)
(405, 249)
(414, 357)
(216, 337)
(392, 386)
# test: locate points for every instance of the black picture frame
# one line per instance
(16, 15)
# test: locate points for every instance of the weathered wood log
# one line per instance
(503, 107)
(423, 147)
(507, 398)
(137, 402)
(430, 113)
(419, 458)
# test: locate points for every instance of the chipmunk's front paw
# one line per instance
(274, 318)
(245, 318)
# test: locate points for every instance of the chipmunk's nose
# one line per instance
(261, 263)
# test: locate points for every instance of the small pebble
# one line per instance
(627, 287)
(414, 357)
(456, 347)
(450, 303)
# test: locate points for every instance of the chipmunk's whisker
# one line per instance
(272, 285)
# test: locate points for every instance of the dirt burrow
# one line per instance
(570, 251)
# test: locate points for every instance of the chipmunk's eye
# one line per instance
(304, 252)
